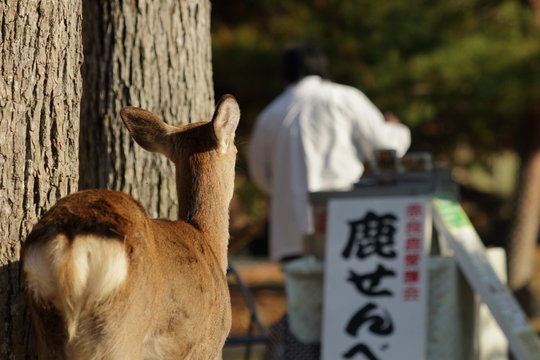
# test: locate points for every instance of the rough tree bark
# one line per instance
(151, 54)
(526, 217)
(40, 91)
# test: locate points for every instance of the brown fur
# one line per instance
(174, 302)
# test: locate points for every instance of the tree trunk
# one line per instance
(40, 91)
(526, 217)
(151, 54)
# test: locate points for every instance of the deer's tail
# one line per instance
(74, 275)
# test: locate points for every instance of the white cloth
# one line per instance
(314, 137)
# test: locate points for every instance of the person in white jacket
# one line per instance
(314, 136)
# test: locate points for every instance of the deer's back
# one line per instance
(155, 283)
(197, 310)
(106, 213)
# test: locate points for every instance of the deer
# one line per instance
(103, 281)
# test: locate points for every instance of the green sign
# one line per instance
(451, 212)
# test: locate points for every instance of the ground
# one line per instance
(266, 283)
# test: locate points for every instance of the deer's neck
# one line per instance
(204, 194)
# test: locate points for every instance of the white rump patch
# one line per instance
(155, 347)
(75, 278)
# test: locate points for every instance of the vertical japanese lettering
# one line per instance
(378, 324)
(367, 283)
(371, 235)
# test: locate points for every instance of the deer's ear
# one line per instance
(225, 121)
(146, 129)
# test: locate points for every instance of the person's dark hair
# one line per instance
(304, 59)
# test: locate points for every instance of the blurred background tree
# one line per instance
(462, 74)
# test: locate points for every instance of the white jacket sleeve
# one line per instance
(259, 157)
(372, 131)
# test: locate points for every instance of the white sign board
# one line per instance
(375, 292)
(453, 223)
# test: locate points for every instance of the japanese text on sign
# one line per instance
(375, 277)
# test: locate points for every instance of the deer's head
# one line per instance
(199, 150)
